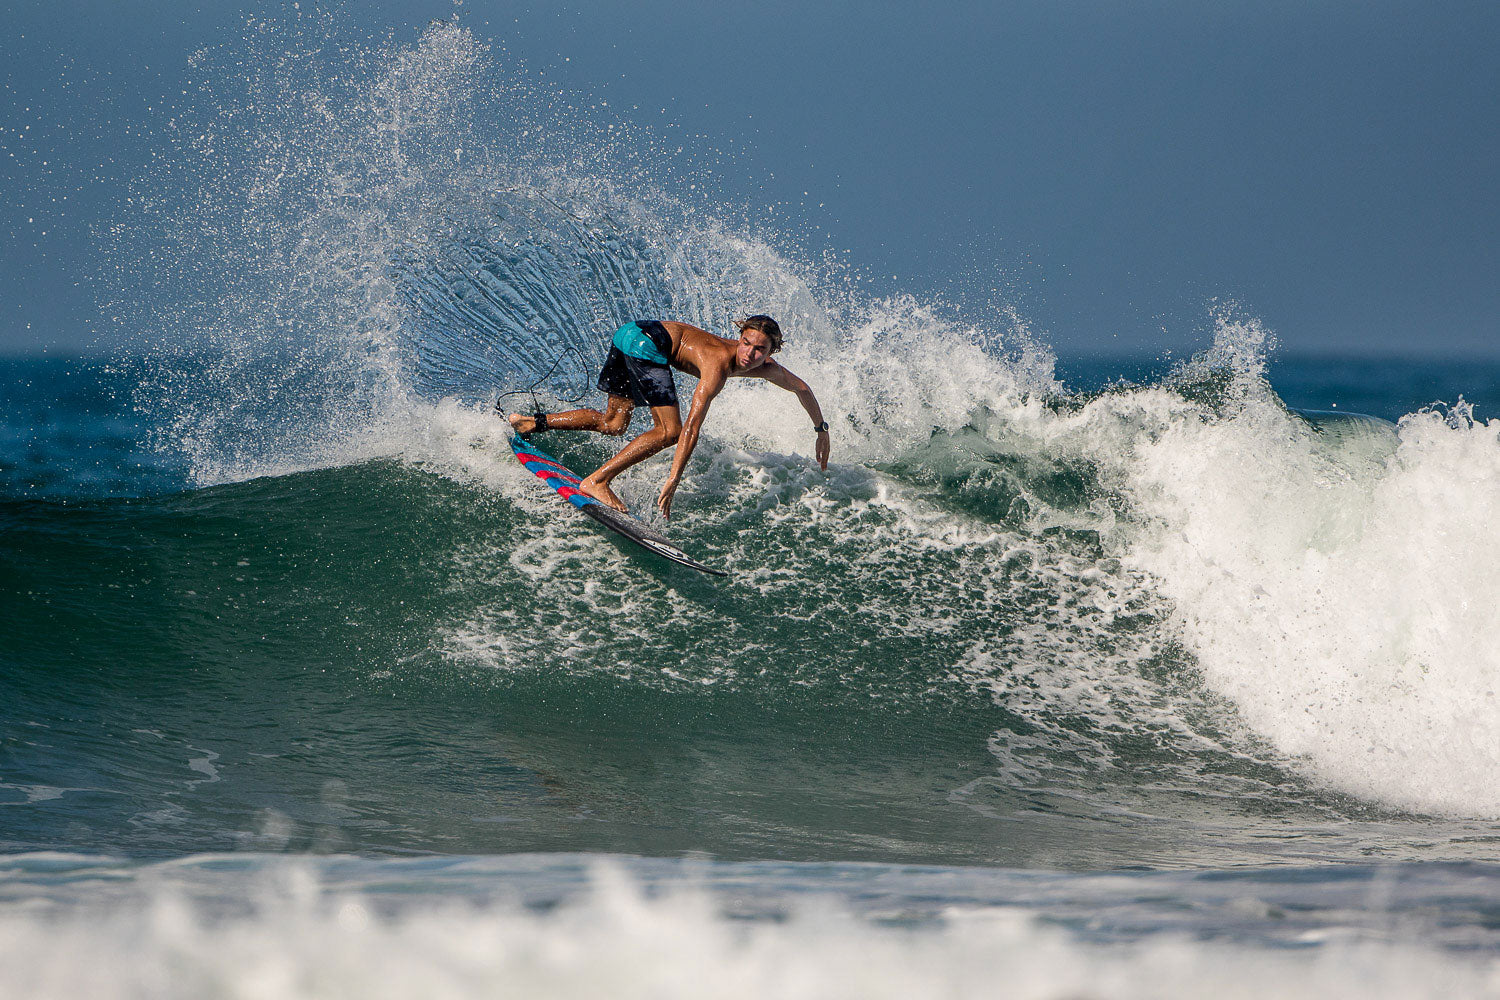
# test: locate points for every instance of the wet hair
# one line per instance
(765, 325)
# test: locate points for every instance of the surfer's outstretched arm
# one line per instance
(708, 387)
(780, 376)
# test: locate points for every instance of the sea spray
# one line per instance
(371, 228)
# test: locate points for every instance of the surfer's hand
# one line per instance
(822, 450)
(664, 502)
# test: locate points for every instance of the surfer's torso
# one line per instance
(696, 351)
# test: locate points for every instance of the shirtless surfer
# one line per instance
(638, 372)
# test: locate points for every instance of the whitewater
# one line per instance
(1116, 686)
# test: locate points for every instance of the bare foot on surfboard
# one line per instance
(523, 425)
(602, 493)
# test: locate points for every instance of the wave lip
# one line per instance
(1343, 601)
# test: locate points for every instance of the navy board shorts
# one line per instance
(638, 367)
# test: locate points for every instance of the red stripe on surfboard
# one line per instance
(528, 459)
(566, 477)
(556, 470)
(531, 456)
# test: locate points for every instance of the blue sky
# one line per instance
(1112, 166)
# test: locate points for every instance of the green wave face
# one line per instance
(382, 658)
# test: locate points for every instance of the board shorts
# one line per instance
(638, 367)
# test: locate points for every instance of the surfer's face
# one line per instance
(754, 349)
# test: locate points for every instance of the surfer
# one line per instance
(638, 372)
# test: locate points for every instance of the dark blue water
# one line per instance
(1385, 387)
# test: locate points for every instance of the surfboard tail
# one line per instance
(643, 536)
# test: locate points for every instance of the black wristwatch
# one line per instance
(821, 428)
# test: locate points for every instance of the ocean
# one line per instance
(1071, 677)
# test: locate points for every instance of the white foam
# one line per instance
(296, 938)
(1343, 600)
(1351, 620)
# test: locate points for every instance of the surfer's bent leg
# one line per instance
(665, 428)
(636, 373)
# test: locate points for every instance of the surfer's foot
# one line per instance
(601, 492)
(523, 425)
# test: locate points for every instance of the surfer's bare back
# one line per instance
(638, 372)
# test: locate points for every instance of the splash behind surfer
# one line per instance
(638, 372)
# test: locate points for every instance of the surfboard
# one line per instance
(565, 484)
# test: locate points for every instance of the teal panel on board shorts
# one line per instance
(633, 342)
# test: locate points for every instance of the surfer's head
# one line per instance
(760, 337)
